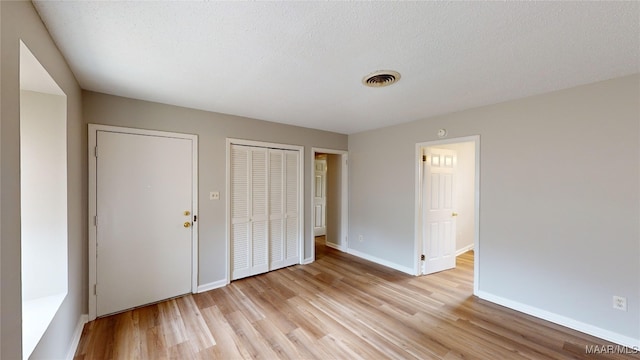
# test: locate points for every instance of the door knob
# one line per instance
(187, 224)
(454, 214)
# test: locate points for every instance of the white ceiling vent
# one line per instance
(381, 78)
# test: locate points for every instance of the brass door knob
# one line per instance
(454, 214)
(187, 224)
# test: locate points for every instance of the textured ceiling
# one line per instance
(302, 62)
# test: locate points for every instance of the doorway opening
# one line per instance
(320, 195)
(43, 203)
(447, 204)
(329, 200)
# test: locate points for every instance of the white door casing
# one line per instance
(419, 206)
(439, 217)
(143, 198)
(320, 198)
(265, 229)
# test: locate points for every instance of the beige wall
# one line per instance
(559, 200)
(212, 129)
(19, 20)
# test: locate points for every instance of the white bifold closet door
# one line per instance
(265, 220)
(284, 215)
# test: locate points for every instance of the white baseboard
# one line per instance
(77, 333)
(335, 246)
(563, 320)
(386, 263)
(212, 285)
(464, 250)
(307, 261)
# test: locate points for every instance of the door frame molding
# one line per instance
(269, 145)
(418, 203)
(344, 198)
(93, 131)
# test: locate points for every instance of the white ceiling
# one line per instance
(302, 63)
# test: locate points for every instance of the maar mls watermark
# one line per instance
(611, 349)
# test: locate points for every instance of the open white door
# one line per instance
(144, 207)
(439, 217)
(320, 198)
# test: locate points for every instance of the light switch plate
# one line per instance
(620, 303)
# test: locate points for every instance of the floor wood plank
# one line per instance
(339, 307)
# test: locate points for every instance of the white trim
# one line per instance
(404, 269)
(464, 250)
(194, 224)
(227, 212)
(476, 228)
(263, 144)
(562, 320)
(77, 333)
(92, 213)
(418, 204)
(212, 285)
(336, 246)
(307, 261)
(344, 198)
(93, 130)
(417, 230)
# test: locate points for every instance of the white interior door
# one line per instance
(144, 219)
(277, 208)
(320, 198)
(439, 217)
(292, 233)
(284, 218)
(265, 215)
(249, 225)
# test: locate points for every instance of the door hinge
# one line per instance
(95, 151)
(95, 289)
(95, 220)
(422, 257)
(424, 158)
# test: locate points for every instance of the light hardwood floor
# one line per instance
(339, 307)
